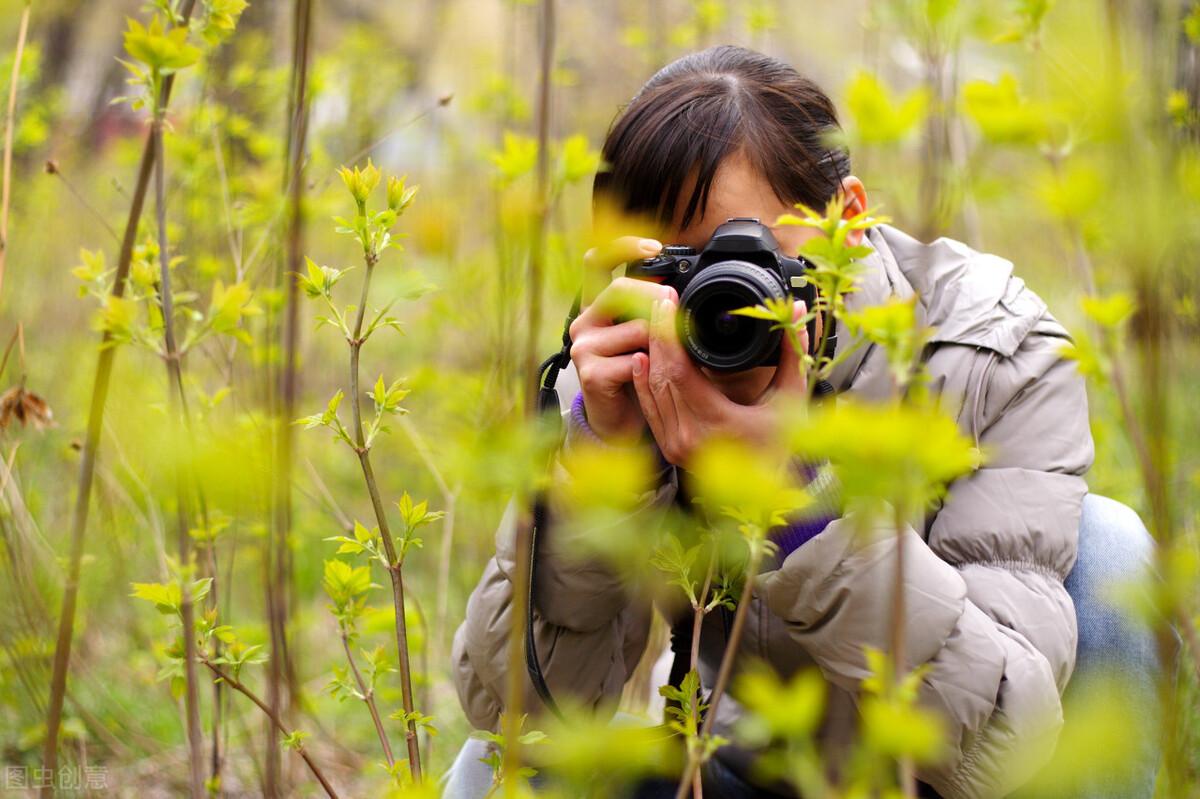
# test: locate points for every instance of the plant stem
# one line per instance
(727, 658)
(523, 544)
(87, 462)
(233, 683)
(282, 667)
(394, 564)
(694, 656)
(9, 125)
(369, 699)
(178, 420)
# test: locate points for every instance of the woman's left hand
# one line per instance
(684, 409)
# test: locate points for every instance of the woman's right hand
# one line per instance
(607, 332)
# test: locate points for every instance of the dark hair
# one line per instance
(698, 109)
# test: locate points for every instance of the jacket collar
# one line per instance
(968, 297)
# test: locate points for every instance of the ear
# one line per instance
(856, 202)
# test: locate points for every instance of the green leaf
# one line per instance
(360, 182)
(345, 583)
(294, 740)
(399, 196)
(1109, 312)
(166, 597)
(790, 710)
(577, 160)
(222, 19)
(877, 117)
(1003, 116)
(162, 51)
(516, 158)
(1191, 24)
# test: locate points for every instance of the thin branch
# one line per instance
(178, 410)
(53, 168)
(282, 666)
(233, 683)
(368, 697)
(726, 668)
(516, 676)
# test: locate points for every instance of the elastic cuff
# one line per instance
(820, 483)
(578, 430)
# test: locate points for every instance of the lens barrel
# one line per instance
(717, 338)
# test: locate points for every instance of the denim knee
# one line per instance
(1114, 548)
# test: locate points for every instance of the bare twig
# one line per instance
(233, 683)
(178, 414)
(524, 535)
(279, 579)
(54, 168)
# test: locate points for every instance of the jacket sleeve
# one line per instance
(590, 627)
(986, 606)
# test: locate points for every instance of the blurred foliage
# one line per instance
(1064, 136)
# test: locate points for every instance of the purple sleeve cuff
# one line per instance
(578, 428)
(792, 537)
(820, 483)
(579, 417)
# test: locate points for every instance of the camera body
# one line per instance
(740, 266)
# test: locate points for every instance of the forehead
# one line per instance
(737, 189)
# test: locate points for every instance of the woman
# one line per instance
(731, 133)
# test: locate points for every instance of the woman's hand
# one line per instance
(683, 407)
(603, 347)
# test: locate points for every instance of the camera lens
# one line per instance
(711, 333)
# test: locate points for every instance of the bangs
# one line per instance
(698, 110)
(659, 143)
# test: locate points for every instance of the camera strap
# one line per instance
(547, 403)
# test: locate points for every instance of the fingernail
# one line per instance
(650, 246)
(637, 365)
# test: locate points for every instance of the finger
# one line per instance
(693, 395)
(612, 340)
(605, 376)
(600, 261)
(623, 297)
(663, 370)
(790, 377)
(641, 387)
(666, 350)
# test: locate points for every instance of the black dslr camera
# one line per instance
(741, 265)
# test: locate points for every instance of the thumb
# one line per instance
(790, 377)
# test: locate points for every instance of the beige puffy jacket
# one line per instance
(984, 575)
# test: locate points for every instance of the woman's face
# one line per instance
(738, 190)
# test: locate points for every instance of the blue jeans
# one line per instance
(1113, 546)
